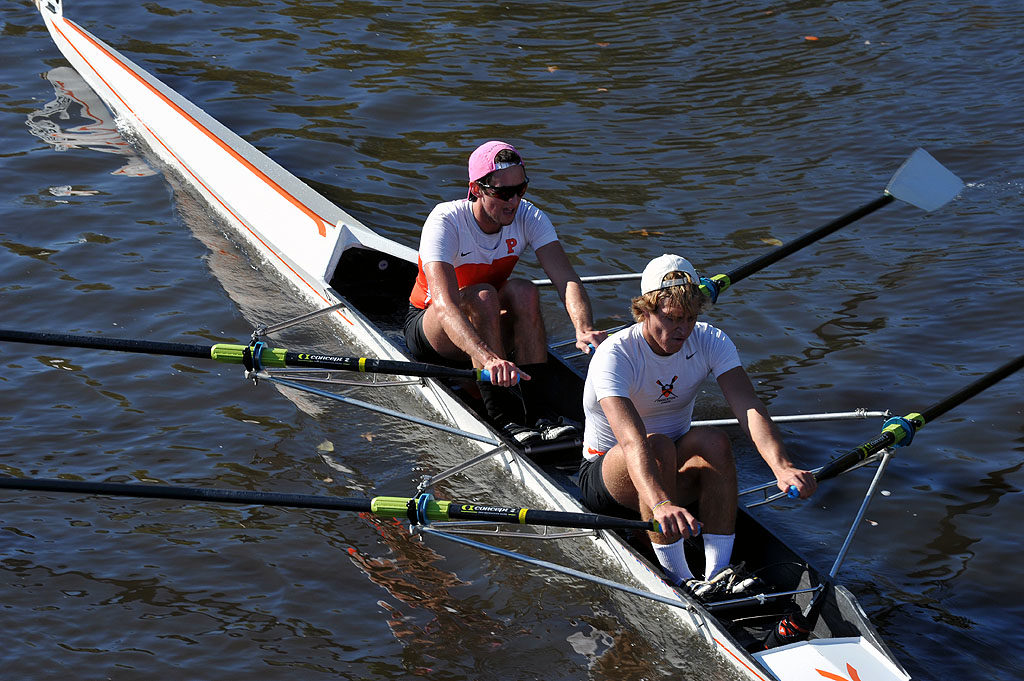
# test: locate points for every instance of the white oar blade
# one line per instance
(924, 182)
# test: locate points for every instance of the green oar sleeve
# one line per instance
(234, 354)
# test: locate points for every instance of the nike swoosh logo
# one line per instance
(466, 253)
(691, 354)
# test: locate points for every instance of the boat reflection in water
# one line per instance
(78, 119)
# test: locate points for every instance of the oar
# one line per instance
(420, 510)
(252, 356)
(920, 181)
(899, 432)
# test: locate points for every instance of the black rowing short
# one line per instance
(419, 346)
(596, 496)
(598, 499)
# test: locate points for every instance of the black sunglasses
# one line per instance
(505, 193)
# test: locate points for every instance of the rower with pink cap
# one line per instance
(465, 308)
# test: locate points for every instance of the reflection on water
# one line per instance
(77, 119)
(429, 611)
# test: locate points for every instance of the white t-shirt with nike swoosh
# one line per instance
(663, 389)
(452, 235)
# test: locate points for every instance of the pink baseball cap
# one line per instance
(481, 161)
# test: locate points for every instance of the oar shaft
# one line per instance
(227, 496)
(104, 343)
(940, 408)
(417, 509)
(889, 437)
(781, 252)
(527, 516)
(279, 357)
(769, 258)
(241, 354)
(856, 455)
(378, 366)
(432, 509)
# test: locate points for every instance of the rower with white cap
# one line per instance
(642, 458)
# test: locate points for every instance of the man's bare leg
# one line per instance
(617, 479)
(521, 301)
(482, 306)
(709, 470)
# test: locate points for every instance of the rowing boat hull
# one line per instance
(317, 247)
(261, 201)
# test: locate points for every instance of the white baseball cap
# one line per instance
(656, 270)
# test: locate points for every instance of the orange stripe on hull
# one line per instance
(223, 145)
(740, 660)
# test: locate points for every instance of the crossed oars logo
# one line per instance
(667, 390)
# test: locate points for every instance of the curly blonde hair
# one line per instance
(687, 296)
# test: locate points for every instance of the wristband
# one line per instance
(660, 504)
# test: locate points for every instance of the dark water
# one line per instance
(711, 129)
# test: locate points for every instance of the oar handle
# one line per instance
(484, 376)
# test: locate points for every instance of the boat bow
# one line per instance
(265, 202)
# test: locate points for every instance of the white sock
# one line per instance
(673, 559)
(717, 552)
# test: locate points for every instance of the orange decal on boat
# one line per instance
(854, 676)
